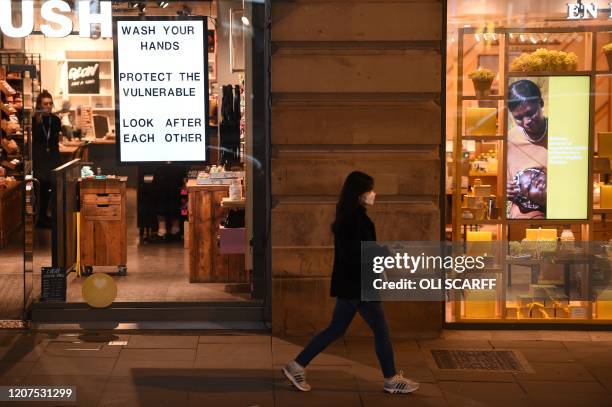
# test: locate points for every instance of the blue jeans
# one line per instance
(344, 312)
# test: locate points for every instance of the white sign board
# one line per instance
(161, 85)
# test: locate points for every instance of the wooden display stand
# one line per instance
(103, 224)
(206, 262)
(11, 203)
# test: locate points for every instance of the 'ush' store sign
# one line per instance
(56, 23)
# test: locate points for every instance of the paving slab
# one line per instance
(236, 398)
(467, 376)
(546, 355)
(522, 344)
(516, 335)
(600, 336)
(163, 341)
(553, 371)
(16, 369)
(603, 375)
(570, 399)
(135, 354)
(324, 398)
(228, 339)
(565, 336)
(67, 366)
(484, 394)
(469, 335)
(557, 387)
(234, 356)
(130, 368)
(455, 344)
(119, 392)
(81, 349)
(393, 400)
(22, 353)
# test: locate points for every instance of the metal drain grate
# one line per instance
(481, 360)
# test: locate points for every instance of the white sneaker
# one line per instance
(296, 374)
(398, 384)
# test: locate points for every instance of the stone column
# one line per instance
(356, 85)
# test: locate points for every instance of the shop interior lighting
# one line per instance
(522, 37)
(533, 39)
(163, 4)
(245, 19)
(477, 37)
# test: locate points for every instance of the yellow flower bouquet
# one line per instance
(544, 59)
(607, 49)
(482, 80)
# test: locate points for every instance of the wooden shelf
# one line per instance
(483, 138)
(482, 174)
(602, 210)
(481, 222)
(489, 98)
(546, 73)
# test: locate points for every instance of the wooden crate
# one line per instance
(103, 222)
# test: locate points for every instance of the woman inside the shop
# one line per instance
(527, 152)
(46, 129)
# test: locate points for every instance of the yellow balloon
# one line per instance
(99, 290)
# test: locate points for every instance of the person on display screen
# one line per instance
(45, 150)
(527, 152)
(352, 226)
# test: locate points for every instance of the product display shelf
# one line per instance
(459, 222)
(485, 98)
(484, 138)
(481, 222)
(22, 74)
(507, 311)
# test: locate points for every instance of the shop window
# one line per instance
(166, 228)
(528, 111)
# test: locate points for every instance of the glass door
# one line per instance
(18, 88)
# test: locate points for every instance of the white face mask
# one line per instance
(368, 198)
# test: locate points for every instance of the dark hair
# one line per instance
(524, 91)
(42, 95)
(356, 184)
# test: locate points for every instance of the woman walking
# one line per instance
(351, 227)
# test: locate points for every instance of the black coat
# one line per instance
(45, 153)
(348, 235)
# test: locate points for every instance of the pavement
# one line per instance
(571, 368)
